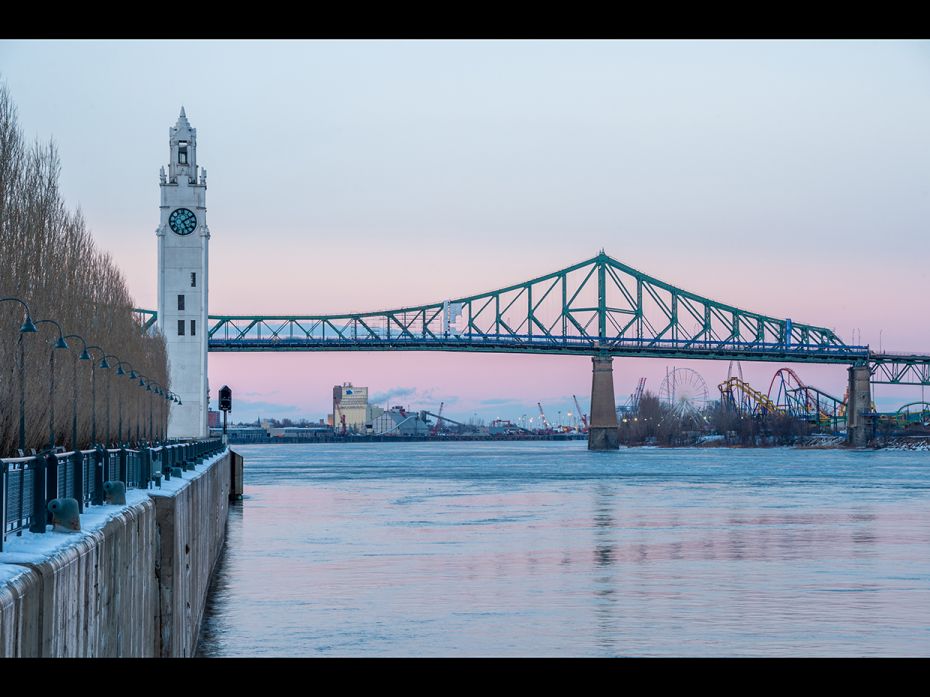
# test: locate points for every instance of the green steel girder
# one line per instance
(146, 318)
(904, 369)
(597, 306)
(766, 354)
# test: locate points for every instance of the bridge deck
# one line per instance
(668, 348)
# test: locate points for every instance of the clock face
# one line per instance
(182, 221)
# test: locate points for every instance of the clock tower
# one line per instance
(183, 241)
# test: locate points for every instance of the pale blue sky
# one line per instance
(792, 178)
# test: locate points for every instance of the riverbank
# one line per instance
(132, 582)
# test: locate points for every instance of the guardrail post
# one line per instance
(51, 477)
(77, 463)
(99, 462)
(144, 476)
(39, 512)
(4, 467)
(123, 466)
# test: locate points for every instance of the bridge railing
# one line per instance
(29, 484)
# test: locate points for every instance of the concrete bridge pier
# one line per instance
(859, 424)
(602, 429)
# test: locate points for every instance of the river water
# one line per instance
(546, 549)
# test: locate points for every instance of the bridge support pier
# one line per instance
(859, 423)
(602, 429)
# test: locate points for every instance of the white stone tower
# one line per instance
(183, 241)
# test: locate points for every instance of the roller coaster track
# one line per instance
(798, 399)
(746, 399)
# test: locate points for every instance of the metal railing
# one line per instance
(28, 484)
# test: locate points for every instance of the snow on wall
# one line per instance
(133, 582)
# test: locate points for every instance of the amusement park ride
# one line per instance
(789, 395)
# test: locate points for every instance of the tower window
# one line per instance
(182, 152)
(180, 302)
(193, 327)
(193, 279)
(180, 327)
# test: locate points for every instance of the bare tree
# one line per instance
(50, 261)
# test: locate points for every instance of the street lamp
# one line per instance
(27, 328)
(157, 388)
(93, 391)
(84, 357)
(148, 388)
(132, 376)
(105, 365)
(60, 344)
(164, 413)
(139, 419)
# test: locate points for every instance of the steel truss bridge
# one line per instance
(599, 306)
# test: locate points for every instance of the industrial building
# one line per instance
(399, 422)
(351, 411)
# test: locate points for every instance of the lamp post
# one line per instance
(93, 391)
(164, 412)
(132, 376)
(156, 390)
(162, 406)
(165, 407)
(106, 366)
(139, 410)
(160, 391)
(28, 327)
(60, 344)
(172, 397)
(148, 388)
(84, 357)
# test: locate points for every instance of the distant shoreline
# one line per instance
(915, 443)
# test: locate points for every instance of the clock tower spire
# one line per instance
(183, 240)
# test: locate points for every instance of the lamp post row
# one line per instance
(29, 327)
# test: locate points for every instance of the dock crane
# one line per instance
(632, 404)
(435, 430)
(582, 415)
(638, 395)
(543, 415)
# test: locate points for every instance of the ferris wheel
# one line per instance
(685, 391)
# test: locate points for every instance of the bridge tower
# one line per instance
(183, 240)
(860, 424)
(602, 423)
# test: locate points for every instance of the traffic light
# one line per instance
(225, 398)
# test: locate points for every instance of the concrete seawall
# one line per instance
(132, 583)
